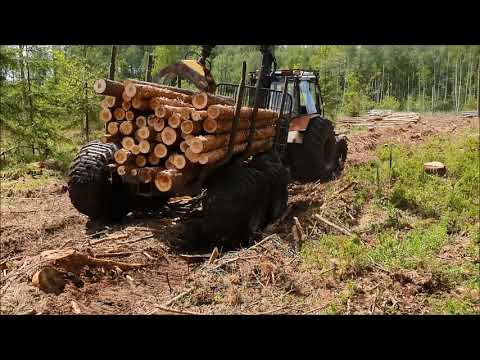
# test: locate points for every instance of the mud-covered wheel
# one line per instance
(316, 158)
(92, 190)
(241, 201)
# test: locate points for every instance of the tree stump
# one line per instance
(435, 168)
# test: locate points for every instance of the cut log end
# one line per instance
(100, 86)
(141, 160)
(169, 136)
(128, 142)
(160, 151)
(105, 115)
(200, 101)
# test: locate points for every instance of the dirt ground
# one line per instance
(267, 278)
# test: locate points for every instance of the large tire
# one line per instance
(316, 158)
(241, 201)
(92, 191)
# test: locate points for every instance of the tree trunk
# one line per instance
(30, 103)
(113, 57)
(87, 124)
(148, 75)
(478, 89)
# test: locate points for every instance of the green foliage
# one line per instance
(388, 103)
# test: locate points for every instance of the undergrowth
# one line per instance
(424, 214)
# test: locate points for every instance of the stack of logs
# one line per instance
(166, 134)
(381, 118)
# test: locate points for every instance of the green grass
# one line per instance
(415, 215)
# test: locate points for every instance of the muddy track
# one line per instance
(264, 279)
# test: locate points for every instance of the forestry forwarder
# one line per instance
(243, 195)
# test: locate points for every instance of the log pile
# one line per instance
(469, 114)
(166, 135)
(382, 118)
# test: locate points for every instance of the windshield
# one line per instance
(307, 96)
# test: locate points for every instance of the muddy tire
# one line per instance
(316, 158)
(92, 191)
(240, 201)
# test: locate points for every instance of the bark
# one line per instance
(148, 92)
(108, 87)
(218, 154)
(203, 100)
(201, 144)
(157, 101)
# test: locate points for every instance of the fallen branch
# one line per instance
(138, 239)
(179, 296)
(183, 312)
(262, 241)
(339, 228)
(353, 183)
(108, 238)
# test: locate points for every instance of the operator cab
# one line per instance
(303, 86)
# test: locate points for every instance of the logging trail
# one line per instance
(267, 278)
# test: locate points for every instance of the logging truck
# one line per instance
(232, 147)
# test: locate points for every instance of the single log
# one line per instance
(145, 133)
(160, 151)
(186, 137)
(159, 124)
(125, 97)
(435, 168)
(126, 105)
(148, 92)
(183, 146)
(203, 100)
(134, 172)
(112, 127)
(153, 159)
(165, 111)
(220, 112)
(128, 142)
(141, 160)
(175, 120)
(108, 87)
(140, 104)
(122, 156)
(218, 154)
(191, 156)
(146, 174)
(123, 170)
(199, 115)
(216, 127)
(135, 149)
(169, 165)
(151, 119)
(175, 89)
(144, 146)
(129, 115)
(141, 121)
(126, 127)
(105, 115)
(173, 180)
(119, 114)
(207, 143)
(169, 136)
(110, 102)
(177, 160)
(190, 127)
(157, 101)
